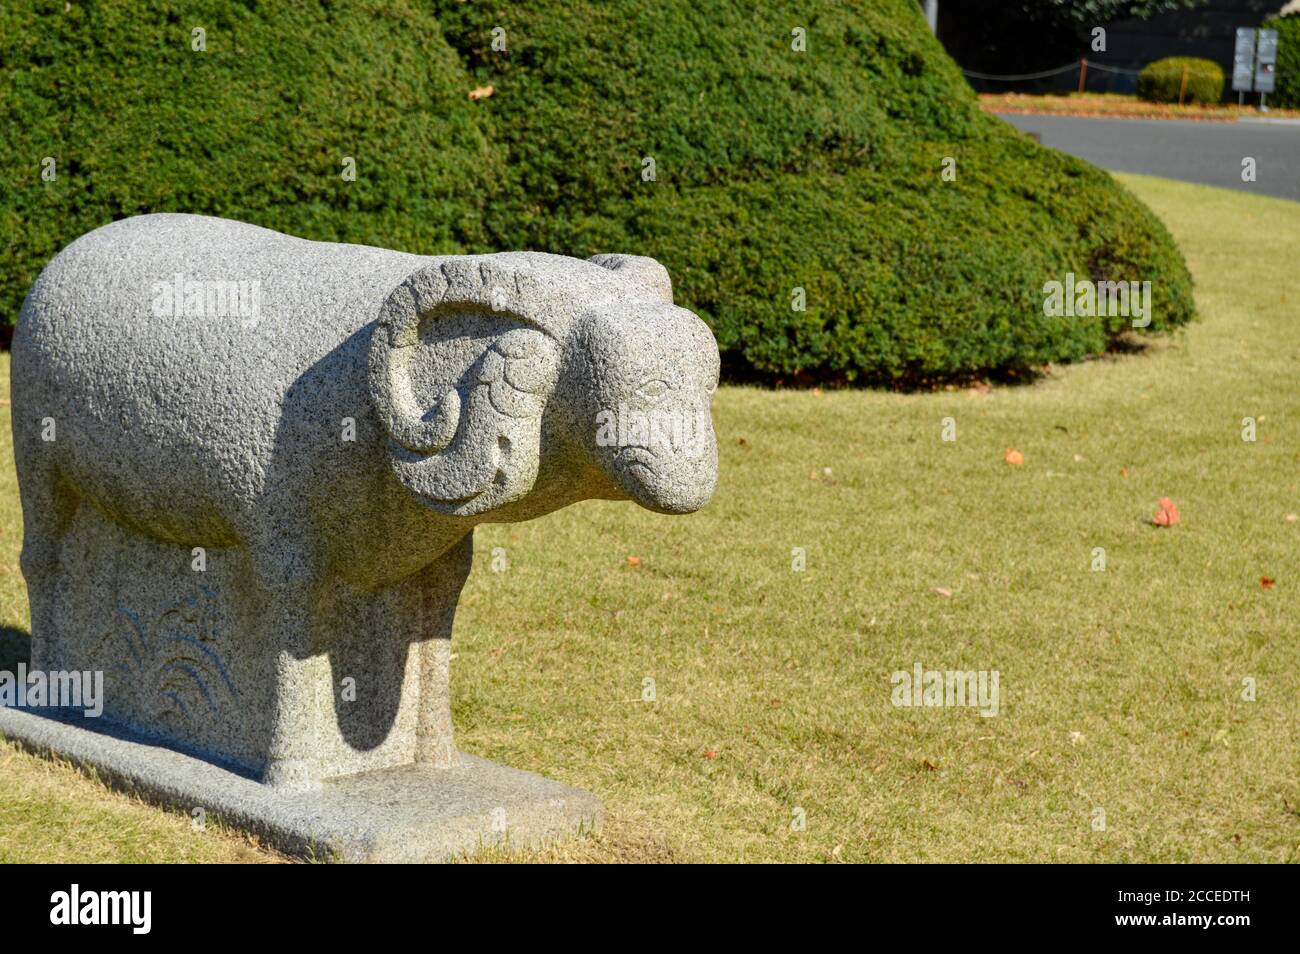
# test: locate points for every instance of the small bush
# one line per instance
(1162, 81)
(1287, 92)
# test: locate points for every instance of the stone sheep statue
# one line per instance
(251, 467)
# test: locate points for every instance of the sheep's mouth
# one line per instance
(661, 482)
(636, 461)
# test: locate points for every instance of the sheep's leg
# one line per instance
(440, 584)
(286, 626)
(48, 507)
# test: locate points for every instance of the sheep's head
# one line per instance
(642, 377)
(596, 358)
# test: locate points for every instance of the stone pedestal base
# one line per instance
(403, 814)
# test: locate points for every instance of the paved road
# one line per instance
(1209, 153)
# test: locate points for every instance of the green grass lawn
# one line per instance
(1121, 691)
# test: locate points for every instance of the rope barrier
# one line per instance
(1111, 69)
(1045, 73)
(1023, 76)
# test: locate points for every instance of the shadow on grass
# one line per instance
(15, 648)
(736, 371)
(1129, 343)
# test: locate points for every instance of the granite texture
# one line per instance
(251, 467)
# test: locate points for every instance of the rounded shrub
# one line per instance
(892, 293)
(1163, 80)
(823, 187)
(114, 110)
(861, 171)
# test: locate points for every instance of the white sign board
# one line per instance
(1265, 61)
(1243, 60)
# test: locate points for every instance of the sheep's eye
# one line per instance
(652, 390)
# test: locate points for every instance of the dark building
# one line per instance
(991, 37)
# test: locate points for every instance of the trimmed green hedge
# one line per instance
(1287, 92)
(1162, 81)
(774, 169)
(942, 299)
(256, 127)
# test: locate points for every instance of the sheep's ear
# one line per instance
(646, 272)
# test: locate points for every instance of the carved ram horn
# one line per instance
(477, 448)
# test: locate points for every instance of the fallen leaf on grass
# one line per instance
(1167, 515)
(711, 754)
(1013, 457)
(634, 561)
(1123, 471)
(1267, 582)
(482, 92)
(1292, 518)
(929, 765)
(943, 591)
